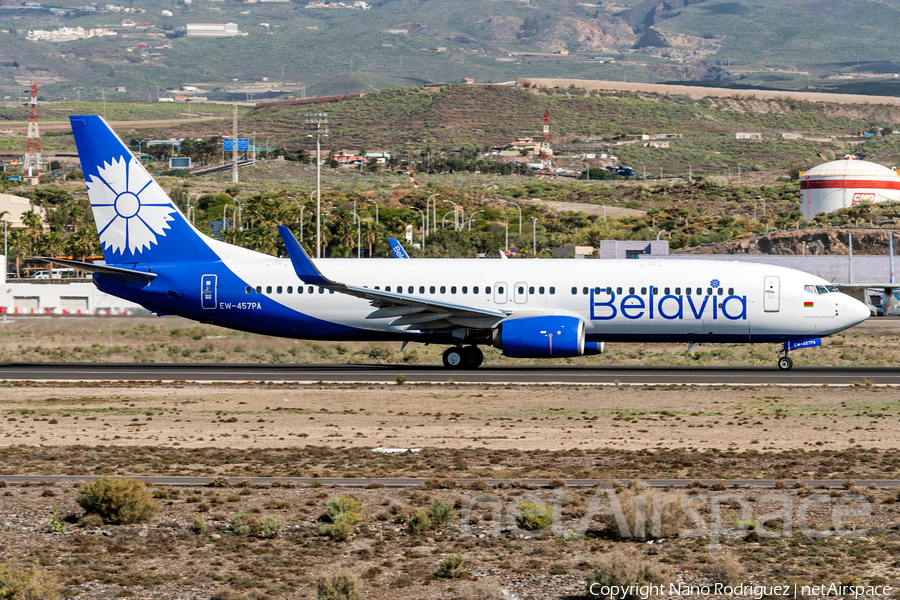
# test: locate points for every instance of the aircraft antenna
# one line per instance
(546, 152)
(31, 165)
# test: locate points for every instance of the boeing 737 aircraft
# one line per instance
(526, 308)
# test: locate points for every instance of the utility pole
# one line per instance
(32, 162)
(317, 126)
(234, 146)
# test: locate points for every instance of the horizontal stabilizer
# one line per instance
(118, 272)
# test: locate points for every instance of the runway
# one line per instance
(570, 375)
(364, 482)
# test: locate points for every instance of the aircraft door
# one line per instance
(520, 292)
(500, 292)
(771, 294)
(208, 285)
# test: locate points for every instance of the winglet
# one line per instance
(303, 264)
(397, 249)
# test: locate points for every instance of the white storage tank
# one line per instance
(844, 183)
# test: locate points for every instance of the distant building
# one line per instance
(16, 206)
(212, 30)
(741, 135)
(467, 80)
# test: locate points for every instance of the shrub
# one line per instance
(532, 517)
(400, 379)
(198, 526)
(455, 566)
(118, 501)
(91, 521)
(338, 587)
(441, 513)
(672, 517)
(418, 522)
(726, 569)
(26, 584)
(624, 567)
(343, 512)
(271, 526)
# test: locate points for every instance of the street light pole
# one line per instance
(358, 234)
(376, 208)
(661, 231)
(434, 211)
(423, 225)
(534, 221)
(317, 124)
(520, 216)
(455, 213)
(472, 216)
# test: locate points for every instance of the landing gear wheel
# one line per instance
(454, 358)
(785, 363)
(473, 357)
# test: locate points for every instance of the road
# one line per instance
(429, 373)
(833, 484)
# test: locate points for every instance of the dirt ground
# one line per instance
(451, 416)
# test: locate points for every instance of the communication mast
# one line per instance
(546, 152)
(31, 165)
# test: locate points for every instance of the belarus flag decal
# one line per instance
(807, 304)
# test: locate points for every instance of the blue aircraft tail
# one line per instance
(136, 220)
(397, 249)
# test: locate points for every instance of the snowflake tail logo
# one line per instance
(130, 209)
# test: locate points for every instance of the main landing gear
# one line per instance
(469, 357)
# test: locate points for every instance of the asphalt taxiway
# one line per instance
(571, 375)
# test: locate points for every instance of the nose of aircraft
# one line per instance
(855, 312)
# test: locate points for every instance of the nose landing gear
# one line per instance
(784, 361)
(469, 357)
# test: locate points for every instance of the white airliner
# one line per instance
(527, 308)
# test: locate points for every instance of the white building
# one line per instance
(845, 183)
(213, 30)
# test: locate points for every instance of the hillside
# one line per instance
(291, 47)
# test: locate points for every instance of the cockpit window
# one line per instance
(810, 288)
(832, 288)
(821, 289)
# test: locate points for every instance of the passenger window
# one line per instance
(431, 290)
(387, 288)
(821, 289)
(259, 289)
(731, 291)
(321, 290)
(421, 289)
(619, 290)
(290, 289)
(574, 291)
(248, 290)
(688, 290)
(721, 291)
(410, 289)
(278, 290)
(443, 289)
(552, 290)
(643, 291)
(531, 289)
(597, 290)
(452, 289)
(541, 290)
(299, 289)
(500, 290)
(310, 290)
(521, 289)
(465, 290)
(377, 287)
(487, 290)
(631, 290)
(709, 291)
(656, 290)
(609, 291)
(330, 291)
(667, 291)
(584, 291)
(677, 291)
(474, 290)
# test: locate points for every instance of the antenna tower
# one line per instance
(412, 177)
(546, 165)
(31, 165)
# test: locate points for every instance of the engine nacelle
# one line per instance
(544, 337)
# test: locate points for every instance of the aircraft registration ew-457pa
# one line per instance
(526, 308)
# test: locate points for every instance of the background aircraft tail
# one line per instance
(136, 220)
(397, 249)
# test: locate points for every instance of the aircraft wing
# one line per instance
(118, 272)
(415, 313)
